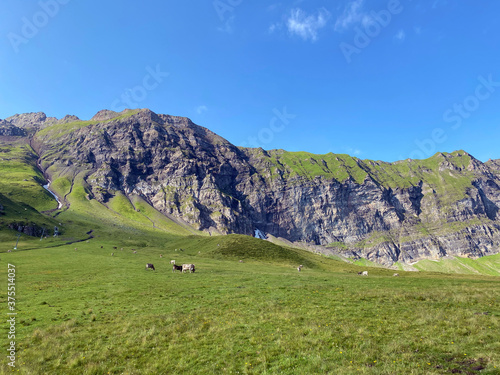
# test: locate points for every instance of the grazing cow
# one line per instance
(176, 268)
(188, 267)
(9, 251)
(241, 261)
(115, 248)
(149, 266)
(364, 273)
(396, 274)
(172, 261)
(299, 268)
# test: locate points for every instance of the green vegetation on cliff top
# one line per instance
(58, 130)
(448, 174)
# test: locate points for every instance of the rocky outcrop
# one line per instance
(68, 119)
(7, 129)
(103, 115)
(29, 229)
(386, 212)
(31, 121)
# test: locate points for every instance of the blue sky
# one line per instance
(383, 80)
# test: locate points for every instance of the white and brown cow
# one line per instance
(188, 267)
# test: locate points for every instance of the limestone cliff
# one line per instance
(386, 212)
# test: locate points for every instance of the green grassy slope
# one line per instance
(489, 265)
(58, 130)
(21, 193)
(20, 179)
(86, 312)
(23, 198)
(117, 216)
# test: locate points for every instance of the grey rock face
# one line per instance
(405, 211)
(68, 119)
(7, 129)
(104, 115)
(31, 121)
(29, 229)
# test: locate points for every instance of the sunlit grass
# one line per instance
(86, 312)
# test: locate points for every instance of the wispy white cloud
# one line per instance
(400, 36)
(201, 109)
(305, 25)
(353, 14)
(356, 152)
(353, 151)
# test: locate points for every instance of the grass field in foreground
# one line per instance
(86, 312)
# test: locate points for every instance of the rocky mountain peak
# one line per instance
(30, 120)
(68, 118)
(147, 115)
(104, 115)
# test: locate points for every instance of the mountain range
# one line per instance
(336, 204)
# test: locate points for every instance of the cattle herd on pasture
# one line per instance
(150, 266)
(184, 268)
(189, 267)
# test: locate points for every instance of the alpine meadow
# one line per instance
(86, 304)
(249, 187)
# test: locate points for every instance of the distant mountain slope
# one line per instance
(385, 212)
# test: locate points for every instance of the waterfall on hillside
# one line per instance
(259, 234)
(46, 187)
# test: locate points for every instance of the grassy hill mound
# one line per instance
(239, 247)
